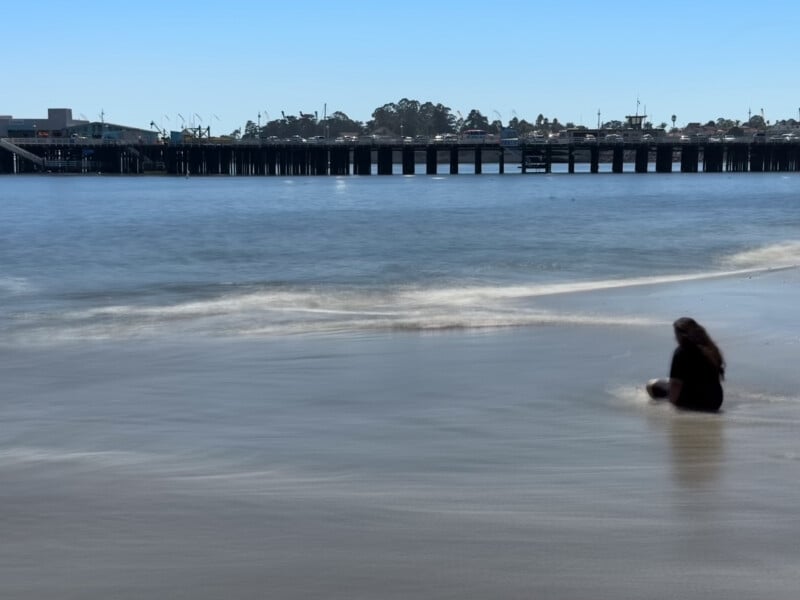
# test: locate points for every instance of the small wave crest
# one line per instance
(14, 285)
(775, 256)
(276, 309)
(22, 455)
(280, 311)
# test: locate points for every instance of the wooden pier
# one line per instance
(297, 159)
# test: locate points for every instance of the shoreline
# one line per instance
(440, 465)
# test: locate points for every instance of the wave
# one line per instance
(782, 255)
(22, 455)
(284, 309)
(14, 285)
(314, 310)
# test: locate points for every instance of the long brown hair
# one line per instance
(690, 333)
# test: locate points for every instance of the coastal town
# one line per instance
(405, 122)
(403, 138)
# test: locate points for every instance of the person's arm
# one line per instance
(675, 386)
(677, 371)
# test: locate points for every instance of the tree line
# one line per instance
(411, 118)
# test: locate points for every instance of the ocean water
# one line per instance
(112, 258)
(395, 387)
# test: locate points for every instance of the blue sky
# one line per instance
(220, 64)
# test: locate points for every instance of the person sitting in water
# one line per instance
(696, 371)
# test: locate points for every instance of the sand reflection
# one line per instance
(697, 449)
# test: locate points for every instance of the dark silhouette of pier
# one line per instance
(359, 158)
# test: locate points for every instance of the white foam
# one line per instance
(785, 254)
(26, 455)
(324, 309)
(14, 285)
(478, 294)
(633, 395)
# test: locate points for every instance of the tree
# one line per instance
(250, 131)
(409, 117)
(339, 123)
(475, 120)
(757, 122)
(408, 111)
(525, 127)
(437, 118)
(385, 117)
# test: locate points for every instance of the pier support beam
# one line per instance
(617, 159)
(594, 159)
(642, 156)
(431, 158)
(571, 159)
(453, 160)
(713, 158)
(384, 160)
(478, 161)
(664, 158)
(408, 160)
(736, 158)
(689, 158)
(362, 160)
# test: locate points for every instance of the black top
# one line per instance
(701, 388)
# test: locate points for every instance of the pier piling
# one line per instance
(300, 159)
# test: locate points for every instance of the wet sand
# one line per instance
(509, 463)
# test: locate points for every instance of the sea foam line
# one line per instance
(389, 304)
(468, 295)
(784, 254)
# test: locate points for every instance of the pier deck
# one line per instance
(294, 159)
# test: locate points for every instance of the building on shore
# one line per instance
(60, 124)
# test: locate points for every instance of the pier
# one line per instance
(20, 156)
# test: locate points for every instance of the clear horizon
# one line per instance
(193, 63)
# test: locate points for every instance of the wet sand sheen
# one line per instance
(508, 463)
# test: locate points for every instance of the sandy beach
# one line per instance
(498, 463)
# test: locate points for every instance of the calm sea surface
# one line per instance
(394, 387)
(111, 257)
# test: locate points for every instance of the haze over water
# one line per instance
(393, 387)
